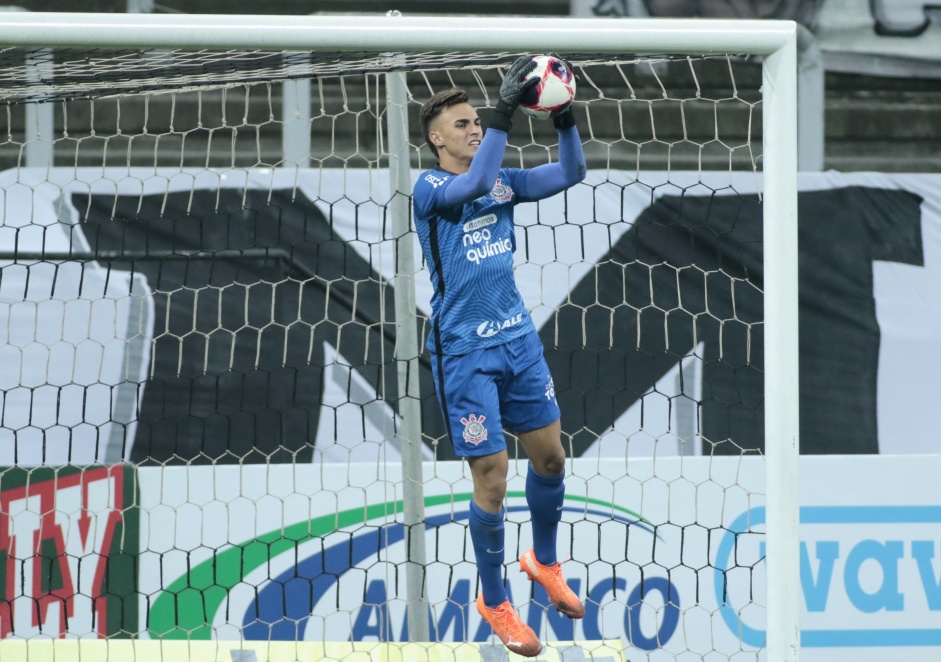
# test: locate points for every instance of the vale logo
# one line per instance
(860, 586)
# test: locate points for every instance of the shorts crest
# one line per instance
(474, 430)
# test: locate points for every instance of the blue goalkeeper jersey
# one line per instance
(469, 251)
(465, 225)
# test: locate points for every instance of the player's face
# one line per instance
(457, 133)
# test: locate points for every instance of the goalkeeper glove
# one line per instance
(566, 118)
(512, 90)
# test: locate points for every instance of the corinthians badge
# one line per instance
(474, 430)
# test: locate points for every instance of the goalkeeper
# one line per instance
(487, 359)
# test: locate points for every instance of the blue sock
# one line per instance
(486, 530)
(545, 495)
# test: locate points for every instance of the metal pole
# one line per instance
(295, 113)
(811, 92)
(407, 352)
(40, 125)
(406, 34)
(687, 405)
(140, 6)
(781, 358)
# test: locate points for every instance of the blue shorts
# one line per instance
(481, 393)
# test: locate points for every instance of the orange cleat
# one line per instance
(550, 576)
(507, 624)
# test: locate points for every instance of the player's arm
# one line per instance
(479, 180)
(547, 180)
(461, 189)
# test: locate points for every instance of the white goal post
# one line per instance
(774, 41)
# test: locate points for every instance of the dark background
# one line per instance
(240, 384)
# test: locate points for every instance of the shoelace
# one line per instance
(507, 622)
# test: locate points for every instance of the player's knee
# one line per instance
(492, 491)
(552, 464)
(496, 485)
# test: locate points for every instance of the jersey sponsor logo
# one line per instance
(436, 181)
(474, 430)
(481, 246)
(501, 192)
(491, 328)
(550, 389)
(477, 223)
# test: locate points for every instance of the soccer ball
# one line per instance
(554, 92)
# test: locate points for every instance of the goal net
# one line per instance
(218, 422)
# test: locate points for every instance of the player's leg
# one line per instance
(477, 436)
(545, 494)
(545, 489)
(469, 402)
(487, 523)
(489, 475)
(487, 535)
(530, 407)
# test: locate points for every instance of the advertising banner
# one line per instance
(666, 553)
(247, 315)
(68, 552)
(67, 650)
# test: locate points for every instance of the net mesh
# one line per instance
(201, 405)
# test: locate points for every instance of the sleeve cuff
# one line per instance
(502, 117)
(565, 120)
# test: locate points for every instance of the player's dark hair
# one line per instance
(436, 105)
